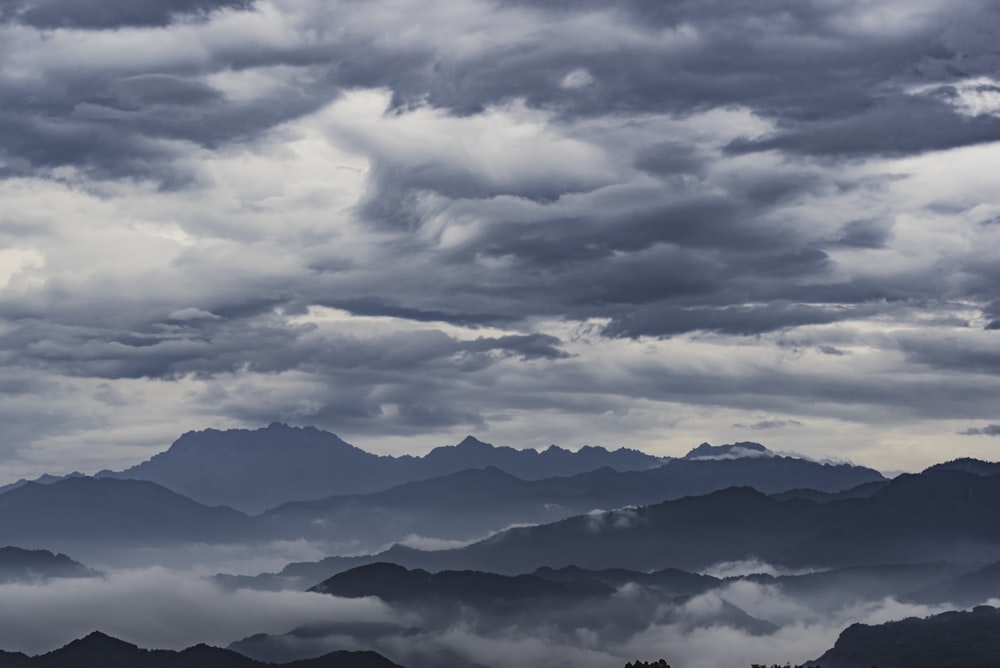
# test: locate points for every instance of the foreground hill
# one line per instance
(98, 650)
(948, 640)
(254, 470)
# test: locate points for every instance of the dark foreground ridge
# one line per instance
(98, 650)
(948, 640)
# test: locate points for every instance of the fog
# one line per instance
(160, 608)
(704, 631)
(739, 623)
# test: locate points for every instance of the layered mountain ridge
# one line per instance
(253, 470)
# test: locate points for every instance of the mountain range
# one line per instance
(938, 515)
(254, 470)
(590, 549)
(465, 505)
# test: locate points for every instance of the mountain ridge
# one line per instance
(304, 463)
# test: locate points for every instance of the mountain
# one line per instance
(767, 473)
(254, 470)
(474, 502)
(258, 469)
(44, 479)
(461, 506)
(92, 510)
(862, 491)
(528, 464)
(19, 564)
(934, 516)
(949, 640)
(98, 650)
(394, 583)
(968, 465)
(938, 515)
(474, 607)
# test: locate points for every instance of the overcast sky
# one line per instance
(644, 223)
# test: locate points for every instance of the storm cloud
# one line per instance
(644, 224)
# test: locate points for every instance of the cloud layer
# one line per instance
(538, 221)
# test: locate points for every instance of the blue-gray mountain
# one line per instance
(471, 503)
(254, 470)
(81, 510)
(935, 515)
(463, 506)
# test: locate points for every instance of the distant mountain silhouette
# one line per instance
(44, 479)
(948, 640)
(98, 650)
(254, 470)
(94, 510)
(463, 505)
(19, 564)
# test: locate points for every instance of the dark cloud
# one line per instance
(668, 320)
(899, 126)
(970, 352)
(484, 193)
(771, 424)
(988, 430)
(109, 14)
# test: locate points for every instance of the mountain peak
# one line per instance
(473, 442)
(98, 640)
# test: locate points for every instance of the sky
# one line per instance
(644, 223)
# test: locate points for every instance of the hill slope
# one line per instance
(948, 640)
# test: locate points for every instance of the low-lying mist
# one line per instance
(161, 608)
(741, 622)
